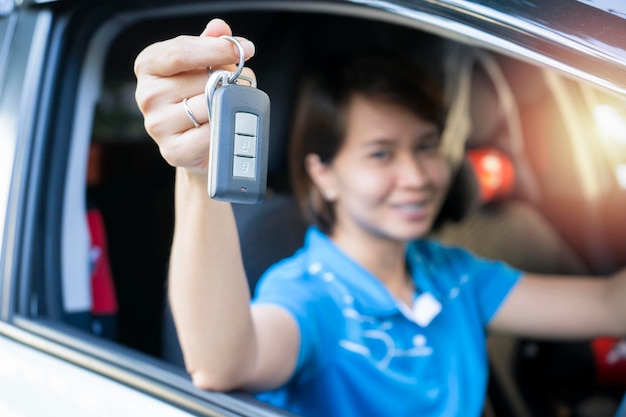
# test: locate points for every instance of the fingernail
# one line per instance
(248, 48)
(209, 26)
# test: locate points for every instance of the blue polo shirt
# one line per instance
(363, 354)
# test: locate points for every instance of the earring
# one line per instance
(330, 195)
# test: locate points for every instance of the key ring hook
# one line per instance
(215, 79)
(222, 77)
(242, 60)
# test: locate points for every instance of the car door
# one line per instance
(51, 359)
(35, 381)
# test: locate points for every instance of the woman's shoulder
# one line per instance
(289, 275)
(434, 250)
(301, 265)
(293, 267)
(458, 262)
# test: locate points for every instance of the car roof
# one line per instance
(588, 35)
(586, 38)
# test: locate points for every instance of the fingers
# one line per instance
(198, 107)
(189, 147)
(186, 53)
(170, 71)
(153, 92)
(188, 150)
(217, 28)
(161, 102)
(198, 103)
(147, 61)
(181, 143)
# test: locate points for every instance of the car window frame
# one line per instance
(21, 81)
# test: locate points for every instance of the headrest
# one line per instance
(494, 172)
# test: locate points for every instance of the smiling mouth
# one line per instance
(413, 208)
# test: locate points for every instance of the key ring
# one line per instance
(221, 77)
(242, 60)
(215, 79)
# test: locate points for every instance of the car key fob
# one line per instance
(239, 143)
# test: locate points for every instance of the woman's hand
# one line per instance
(168, 72)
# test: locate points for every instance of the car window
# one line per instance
(609, 114)
(522, 110)
(130, 185)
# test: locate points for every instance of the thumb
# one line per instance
(217, 28)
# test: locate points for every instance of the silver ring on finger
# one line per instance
(189, 113)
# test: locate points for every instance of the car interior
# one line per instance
(539, 182)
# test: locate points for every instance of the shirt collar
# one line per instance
(423, 267)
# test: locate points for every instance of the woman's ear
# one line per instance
(322, 176)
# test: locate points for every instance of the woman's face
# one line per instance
(388, 179)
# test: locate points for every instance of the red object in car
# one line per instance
(494, 171)
(104, 299)
(610, 357)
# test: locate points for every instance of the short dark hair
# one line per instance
(320, 121)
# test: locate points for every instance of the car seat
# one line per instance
(504, 223)
(530, 377)
(496, 222)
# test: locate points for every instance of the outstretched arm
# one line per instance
(564, 307)
(225, 343)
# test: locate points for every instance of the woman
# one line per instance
(368, 318)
